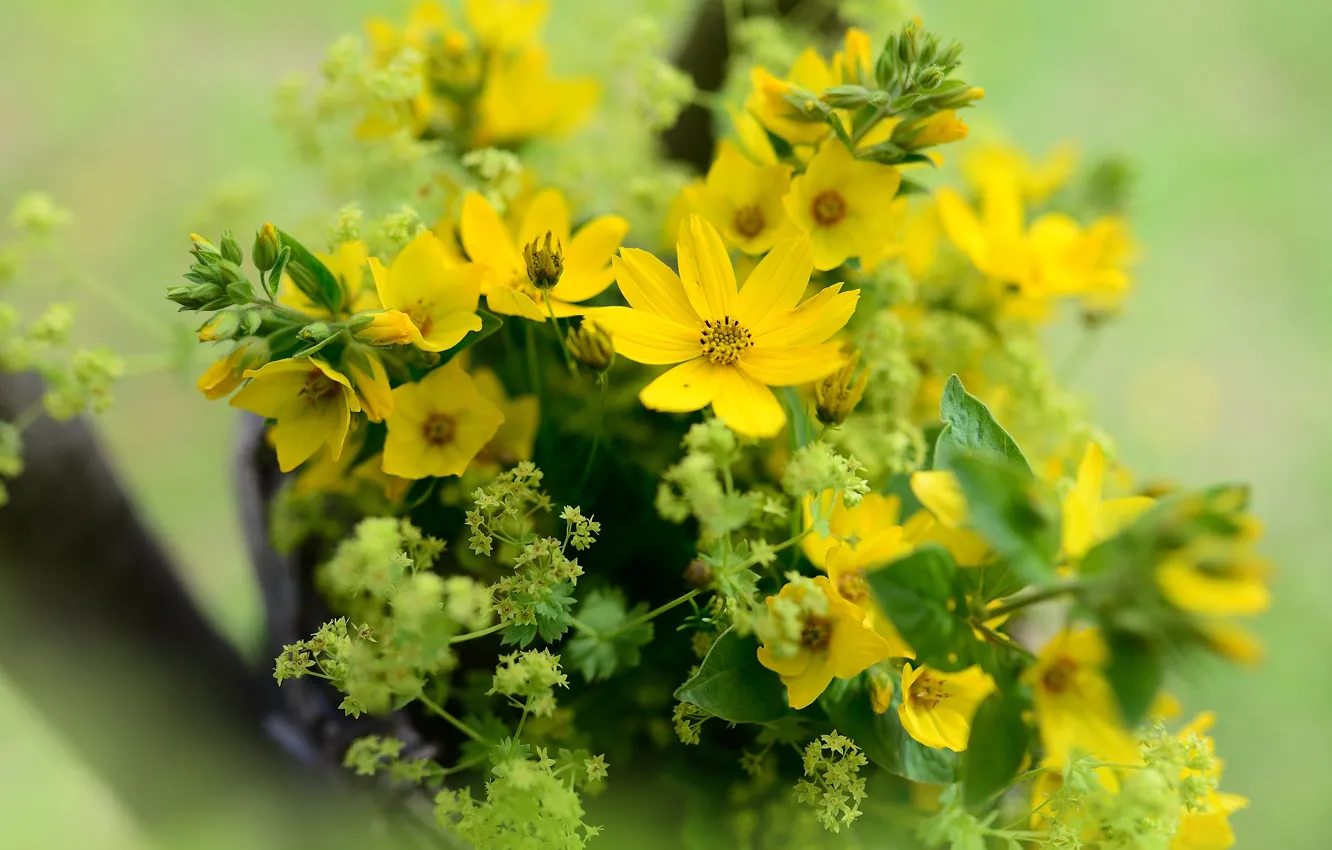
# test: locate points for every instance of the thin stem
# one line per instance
(559, 337)
(533, 369)
(150, 321)
(603, 380)
(489, 630)
(522, 721)
(464, 765)
(1030, 599)
(654, 613)
(438, 709)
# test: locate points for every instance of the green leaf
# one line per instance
(489, 324)
(998, 745)
(1010, 511)
(609, 647)
(733, 685)
(969, 427)
(802, 424)
(1134, 672)
(917, 594)
(311, 276)
(850, 708)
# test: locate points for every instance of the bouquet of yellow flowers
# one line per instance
(748, 482)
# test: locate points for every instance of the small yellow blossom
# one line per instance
(1207, 827)
(1075, 707)
(937, 707)
(731, 345)
(812, 74)
(871, 531)
(1037, 180)
(439, 297)
(939, 128)
(844, 204)
(438, 425)
(371, 384)
(813, 635)
(513, 441)
(388, 327)
(311, 401)
(347, 264)
(1089, 520)
(521, 100)
(586, 255)
(846, 574)
(225, 375)
(744, 200)
(504, 25)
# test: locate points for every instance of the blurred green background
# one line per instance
(129, 111)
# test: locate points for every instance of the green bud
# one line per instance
(930, 78)
(267, 246)
(221, 326)
(591, 346)
(316, 332)
(231, 249)
(545, 264)
(250, 322)
(360, 321)
(240, 292)
(203, 249)
(195, 295)
(846, 97)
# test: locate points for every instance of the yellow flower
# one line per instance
(820, 636)
(945, 518)
(937, 708)
(1075, 708)
(224, 375)
(871, 531)
(514, 440)
(844, 204)
(347, 264)
(438, 425)
(371, 384)
(1206, 827)
(311, 401)
(1037, 181)
(846, 574)
(587, 255)
(506, 24)
(521, 100)
(813, 74)
(731, 345)
(438, 297)
(937, 129)
(744, 200)
(752, 139)
(1088, 520)
(389, 327)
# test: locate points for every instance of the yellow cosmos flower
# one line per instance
(744, 200)
(731, 345)
(844, 204)
(522, 414)
(521, 100)
(870, 531)
(371, 384)
(846, 574)
(1088, 520)
(829, 639)
(587, 255)
(1075, 708)
(438, 425)
(347, 264)
(311, 401)
(439, 297)
(937, 708)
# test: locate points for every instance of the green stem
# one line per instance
(489, 630)
(533, 368)
(1017, 604)
(150, 321)
(559, 337)
(603, 380)
(319, 346)
(438, 709)
(651, 615)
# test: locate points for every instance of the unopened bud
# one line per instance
(846, 97)
(545, 264)
(250, 322)
(267, 246)
(194, 296)
(240, 292)
(698, 573)
(203, 248)
(231, 249)
(590, 345)
(315, 332)
(962, 97)
(391, 327)
(837, 395)
(221, 326)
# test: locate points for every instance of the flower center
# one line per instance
(852, 586)
(438, 429)
(419, 313)
(1060, 676)
(318, 387)
(815, 633)
(723, 340)
(829, 207)
(928, 692)
(749, 221)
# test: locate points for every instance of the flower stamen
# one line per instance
(828, 208)
(724, 340)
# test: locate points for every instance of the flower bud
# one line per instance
(391, 327)
(267, 246)
(315, 332)
(839, 393)
(195, 295)
(221, 326)
(231, 249)
(845, 97)
(545, 264)
(250, 322)
(962, 97)
(203, 248)
(240, 292)
(698, 573)
(591, 345)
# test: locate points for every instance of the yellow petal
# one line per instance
(802, 690)
(302, 429)
(587, 269)
(963, 227)
(812, 322)
(776, 284)
(487, 240)
(548, 212)
(510, 302)
(940, 491)
(705, 269)
(372, 384)
(271, 388)
(747, 406)
(647, 338)
(791, 365)
(650, 286)
(449, 330)
(687, 387)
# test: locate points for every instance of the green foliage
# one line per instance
(1012, 511)
(732, 685)
(833, 784)
(922, 596)
(613, 637)
(1000, 736)
(970, 428)
(311, 276)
